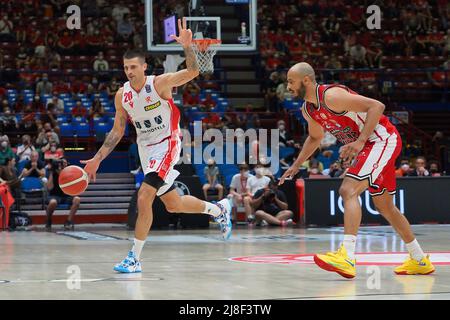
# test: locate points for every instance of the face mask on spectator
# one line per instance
(314, 171)
(259, 171)
(432, 170)
(4, 144)
(281, 127)
(405, 167)
(53, 149)
(245, 174)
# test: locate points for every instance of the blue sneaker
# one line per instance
(129, 265)
(224, 219)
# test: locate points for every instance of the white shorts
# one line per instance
(161, 158)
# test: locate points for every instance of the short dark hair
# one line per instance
(243, 166)
(134, 53)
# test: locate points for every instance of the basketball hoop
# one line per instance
(204, 50)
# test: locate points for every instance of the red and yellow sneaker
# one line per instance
(337, 262)
(411, 266)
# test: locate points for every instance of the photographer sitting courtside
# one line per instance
(271, 205)
(57, 196)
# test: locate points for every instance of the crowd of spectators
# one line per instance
(334, 35)
(315, 30)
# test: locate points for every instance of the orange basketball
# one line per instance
(73, 180)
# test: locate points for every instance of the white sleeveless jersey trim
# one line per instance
(154, 118)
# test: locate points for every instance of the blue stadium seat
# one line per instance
(62, 118)
(108, 109)
(11, 91)
(28, 99)
(288, 104)
(12, 95)
(110, 121)
(21, 165)
(100, 128)
(64, 96)
(66, 129)
(68, 106)
(82, 129)
(76, 120)
(198, 116)
(45, 96)
(31, 184)
(98, 120)
(285, 151)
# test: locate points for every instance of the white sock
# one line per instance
(137, 248)
(211, 209)
(349, 245)
(415, 250)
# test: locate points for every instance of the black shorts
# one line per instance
(61, 199)
(271, 210)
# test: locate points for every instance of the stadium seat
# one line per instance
(82, 129)
(21, 165)
(76, 120)
(62, 118)
(100, 128)
(66, 129)
(30, 184)
(288, 104)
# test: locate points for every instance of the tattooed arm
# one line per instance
(111, 141)
(165, 82)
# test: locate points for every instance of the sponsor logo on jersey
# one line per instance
(151, 130)
(148, 88)
(148, 99)
(158, 119)
(323, 115)
(152, 106)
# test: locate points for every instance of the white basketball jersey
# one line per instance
(154, 118)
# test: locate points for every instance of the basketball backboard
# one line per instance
(231, 21)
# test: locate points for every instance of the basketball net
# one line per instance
(204, 50)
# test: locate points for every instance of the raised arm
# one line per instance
(165, 82)
(111, 141)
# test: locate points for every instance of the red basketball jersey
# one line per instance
(345, 126)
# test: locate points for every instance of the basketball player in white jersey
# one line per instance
(147, 100)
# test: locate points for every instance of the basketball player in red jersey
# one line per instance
(371, 145)
(147, 101)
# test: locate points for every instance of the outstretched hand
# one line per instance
(289, 174)
(185, 36)
(91, 167)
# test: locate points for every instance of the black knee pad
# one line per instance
(172, 187)
(152, 179)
